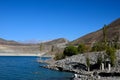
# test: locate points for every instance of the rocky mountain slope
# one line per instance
(112, 30)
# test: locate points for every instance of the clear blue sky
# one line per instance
(50, 19)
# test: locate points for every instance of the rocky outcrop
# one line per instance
(77, 65)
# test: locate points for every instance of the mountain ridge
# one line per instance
(10, 46)
(113, 29)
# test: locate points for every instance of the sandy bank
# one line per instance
(19, 54)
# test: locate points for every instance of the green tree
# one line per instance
(81, 48)
(117, 45)
(52, 48)
(99, 46)
(41, 46)
(99, 60)
(88, 63)
(105, 34)
(111, 55)
(70, 50)
(116, 42)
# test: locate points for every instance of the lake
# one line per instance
(27, 68)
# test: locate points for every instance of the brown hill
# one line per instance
(56, 41)
(8, 42)
(54, 46)
(9, 46)
(112, 30)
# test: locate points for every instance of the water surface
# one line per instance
(27, 68)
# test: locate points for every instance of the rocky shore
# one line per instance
(77, 65)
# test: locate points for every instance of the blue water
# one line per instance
(27, 68)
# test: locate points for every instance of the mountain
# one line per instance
(57, 45)
(8, 42)
(54, 46)
(57, 41)
(10, 46)
(112, 31)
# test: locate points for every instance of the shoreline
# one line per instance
(76, 64)
(12, 54)
(25, 54)
(19, 54)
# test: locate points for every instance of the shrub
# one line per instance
(70, 50)
(82, 48)
(99, 46)
(59, 56)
